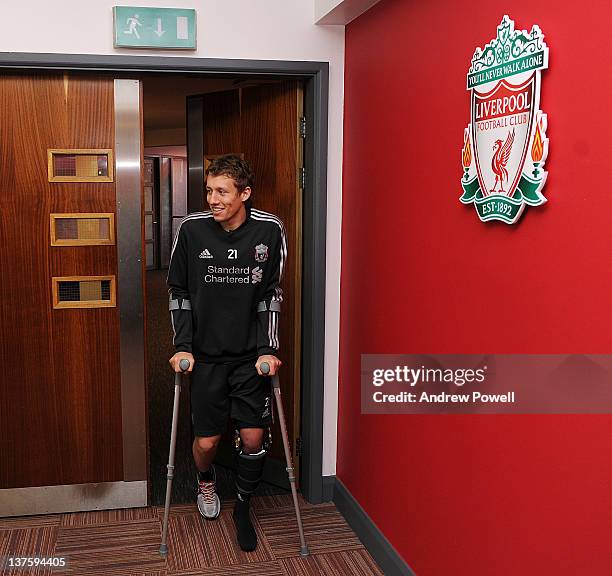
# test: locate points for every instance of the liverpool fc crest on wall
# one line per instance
(505, 144)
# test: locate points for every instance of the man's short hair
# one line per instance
(235, 167)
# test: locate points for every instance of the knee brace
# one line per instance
(266, 443)
(249, 471)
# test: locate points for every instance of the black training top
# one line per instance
(224, 286)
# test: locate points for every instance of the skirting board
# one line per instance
(387, 558)
(329, 483)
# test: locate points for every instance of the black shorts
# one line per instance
(219, 391)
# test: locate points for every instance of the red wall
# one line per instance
(475, 494)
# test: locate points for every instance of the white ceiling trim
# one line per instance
(340, 11)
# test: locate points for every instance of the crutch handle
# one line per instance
(265, 367)
(184, 366)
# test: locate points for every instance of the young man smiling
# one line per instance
(224, 283)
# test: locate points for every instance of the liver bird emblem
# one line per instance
(500, 158)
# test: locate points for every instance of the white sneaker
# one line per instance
(209, 504)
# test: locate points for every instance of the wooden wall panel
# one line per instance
(221, 134)
(269, 134)
(221, 118)
(72, 403)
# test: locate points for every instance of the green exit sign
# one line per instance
(140, 27)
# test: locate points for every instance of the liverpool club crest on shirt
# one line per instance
(505, 144)
(261, 253)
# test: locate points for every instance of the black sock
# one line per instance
(205, 476)
(247, 538)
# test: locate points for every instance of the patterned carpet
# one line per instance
(126, 542)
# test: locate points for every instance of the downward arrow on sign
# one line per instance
(159, 30)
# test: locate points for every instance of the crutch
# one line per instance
(183, 365)
(265, 368)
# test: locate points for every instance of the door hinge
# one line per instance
(302, 127)
(298, 446)
(302, 177)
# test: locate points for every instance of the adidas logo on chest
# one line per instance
(205, 254)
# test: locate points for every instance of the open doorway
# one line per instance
(127, 360)
(187, 123)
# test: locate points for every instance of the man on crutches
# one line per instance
(224, 284)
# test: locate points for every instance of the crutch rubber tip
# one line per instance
(163, 550)
(304, 551)
(264, 367)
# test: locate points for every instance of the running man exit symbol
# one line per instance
(161, 28)
(133, 22)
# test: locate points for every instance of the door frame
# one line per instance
(315, 76)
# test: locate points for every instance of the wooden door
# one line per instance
(61, 403)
